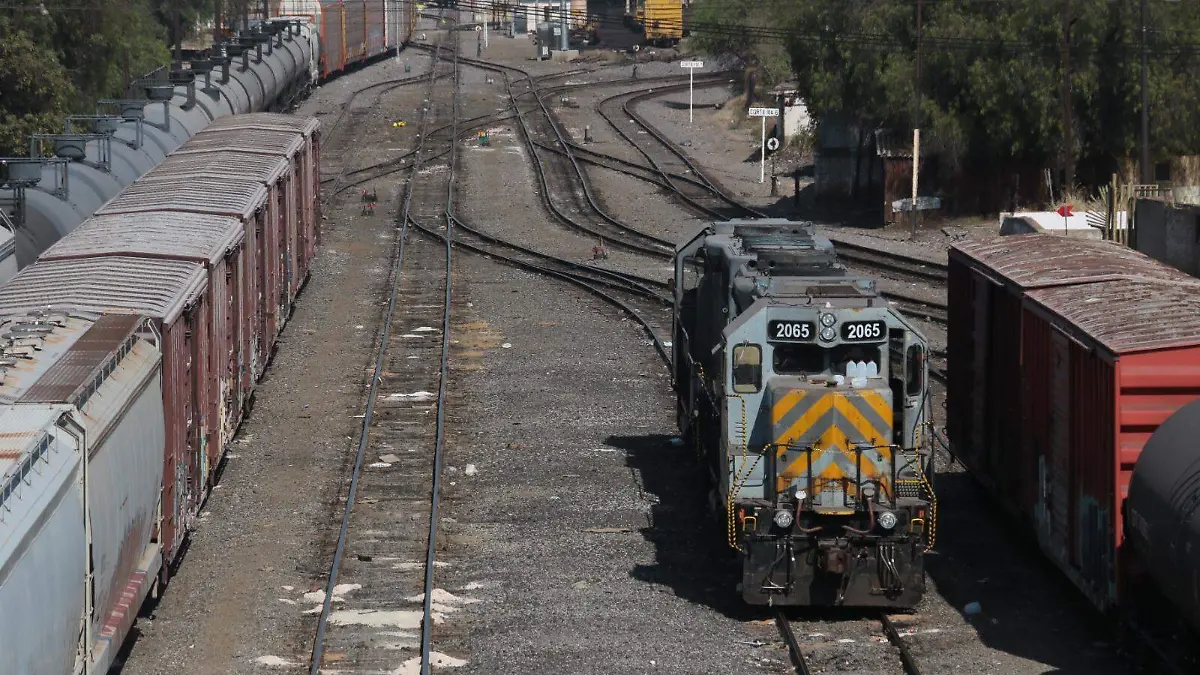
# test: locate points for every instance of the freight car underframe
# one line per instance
(826, 558)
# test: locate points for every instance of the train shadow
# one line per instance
(1026, 606)
(690, 555)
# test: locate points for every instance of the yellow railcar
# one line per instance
(661, 21)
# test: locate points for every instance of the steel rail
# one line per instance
(906, 658)
(793, 645)
(368, 417)
(443, 375)
(578, 279)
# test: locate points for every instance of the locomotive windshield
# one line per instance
(810, 359)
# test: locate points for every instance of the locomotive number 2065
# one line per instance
(791, 331)
(864, 331)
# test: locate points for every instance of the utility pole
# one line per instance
(1145, 168)
(563, 8)
(916, 122)
(1068, 142)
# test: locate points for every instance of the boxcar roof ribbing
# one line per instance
(1128, 316)
(237, 163)
(160, 289)
(168, 234)
(218, 196)
(1039, 260)
(277, 121)
(270, 141)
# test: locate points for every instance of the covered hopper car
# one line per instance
(806, 394)
(129, 355)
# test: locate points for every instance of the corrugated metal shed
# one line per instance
(160, 289)
(22, 429)
(1039, 260)
(305, 125)
(168, 234)
(281, 142)
(1128, 316)
(81, 362)
(264, 168)
(218, 196)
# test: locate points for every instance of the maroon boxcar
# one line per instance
(217, 243)
(1064, 356)
(243, 199)
(307, 164)
(172, 294)
(264, 262)
(287, 207)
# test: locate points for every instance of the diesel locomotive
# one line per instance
(805, 392)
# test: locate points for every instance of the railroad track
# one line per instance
(392, 568)
(688, 183)
(800, 662)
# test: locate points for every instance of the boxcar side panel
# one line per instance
(356, 30)
(960, 343)
(178, 397)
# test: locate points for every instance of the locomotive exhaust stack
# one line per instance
(806, 392)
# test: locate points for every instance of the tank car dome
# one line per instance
(1162, 512)
(218, 87)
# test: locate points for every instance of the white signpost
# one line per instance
(691, 68)
(764, 113)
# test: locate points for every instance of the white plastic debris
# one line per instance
(470, 470)
(415, 396)
(507, 345)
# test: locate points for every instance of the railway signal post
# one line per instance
(691, 68)
(764, 113)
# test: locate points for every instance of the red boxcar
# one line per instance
(217, 243)
(306, 167)
(243, 199)
(286, 207)
(172, 293)
(1064, 356)
(264, 246)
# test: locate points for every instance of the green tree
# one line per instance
(37, 91)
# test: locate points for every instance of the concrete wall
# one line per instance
(1169, 233)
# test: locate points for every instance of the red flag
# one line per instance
(1066, 211)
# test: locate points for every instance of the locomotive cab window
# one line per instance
(798, 359)
(747, 369)
(915, 365)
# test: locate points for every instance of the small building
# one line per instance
(845, 165)
(793, 119)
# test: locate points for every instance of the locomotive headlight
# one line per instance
(783, 518)
(827, 333)
(828, 320)
(887, 519)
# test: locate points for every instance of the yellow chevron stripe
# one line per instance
(834, 439)
(806, 420)
(880, 404)
(784, 405)
(857, 421)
